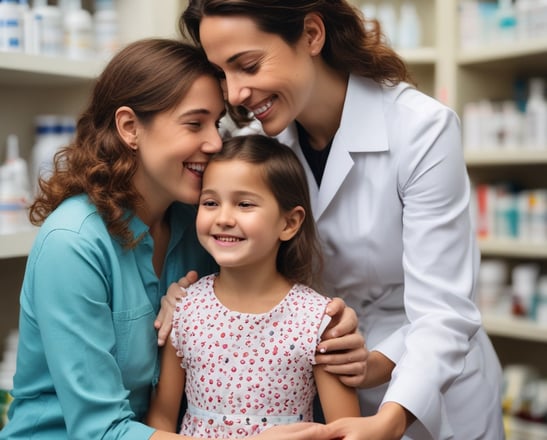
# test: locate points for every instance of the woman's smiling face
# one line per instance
(270, 78)
(174, 147)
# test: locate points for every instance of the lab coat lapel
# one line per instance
(362, 129)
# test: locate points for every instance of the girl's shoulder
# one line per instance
(305, 296)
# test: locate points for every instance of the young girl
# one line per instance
(246, 337)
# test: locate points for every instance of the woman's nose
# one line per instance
(213, 143)
(237, 92)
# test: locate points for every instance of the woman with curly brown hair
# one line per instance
(390, 197)
(117, 227)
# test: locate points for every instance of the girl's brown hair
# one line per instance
(299, 259)
(150, 76)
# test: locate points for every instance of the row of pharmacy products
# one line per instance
(508, 124)
(502, 212)
(19, 179)
(61, 29)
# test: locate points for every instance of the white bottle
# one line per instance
(14, 189)
(386, 15)
(11, 26)
(410, 28)
(46, 144)
(17, 168)
(536, 115)
(48, 28)
(506, 21)
(523, 13)
(511, 124)
(78, 30)
(107, 38)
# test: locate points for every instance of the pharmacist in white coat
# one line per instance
(390, 198)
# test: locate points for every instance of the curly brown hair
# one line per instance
(150, 76)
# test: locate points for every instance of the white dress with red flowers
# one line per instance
(247, 372)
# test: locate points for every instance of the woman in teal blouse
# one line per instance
(117, 228)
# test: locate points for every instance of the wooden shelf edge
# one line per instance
(513, 248)
(14, 66)
(510, 156)
(497, 52)
(17, 244)
(515, 328)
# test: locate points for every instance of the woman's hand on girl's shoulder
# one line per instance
(342, 349)
(176, 291)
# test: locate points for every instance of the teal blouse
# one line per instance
(88, 355)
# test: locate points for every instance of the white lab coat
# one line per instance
(392, 213)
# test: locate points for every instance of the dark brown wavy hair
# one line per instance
(349, 46)
(150, 76)
(299, 259)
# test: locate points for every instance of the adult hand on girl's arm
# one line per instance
(175, 291)
(390, 423)
(342, 349)
(295, 431)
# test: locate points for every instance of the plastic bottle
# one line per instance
(506, 21)
(14, 189)
(410, 28)
(48, 28)
(47, 142)
(78, 30)
(11, 26)
(536, 115)
(523, 13)
(511, 124)
(492, 285)
(107, 38)
(385, 13)
(524, 277)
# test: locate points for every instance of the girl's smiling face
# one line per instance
(239, 221)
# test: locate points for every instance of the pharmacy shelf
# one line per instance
(511, 156)
(23, 69)
(515, 328)
(518, 429)
(419, 56)
(17, 244)
(513, 248)
(501, 52)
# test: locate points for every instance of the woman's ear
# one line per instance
(126, 124)
(314, 32)
(293, 221)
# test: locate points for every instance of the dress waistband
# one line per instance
(243, 419)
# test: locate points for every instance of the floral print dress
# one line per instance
(247, 372)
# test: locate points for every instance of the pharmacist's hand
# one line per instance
(390, 423)
(342, 349)
(175, 292)
(294, 431)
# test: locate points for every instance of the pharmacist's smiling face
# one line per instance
(174, 148)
